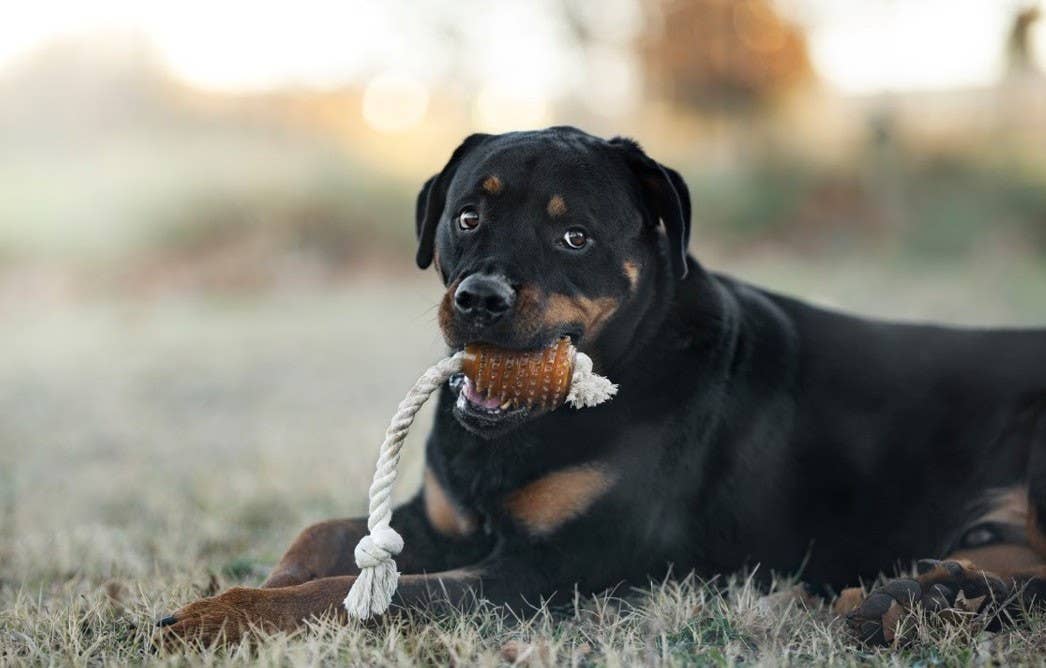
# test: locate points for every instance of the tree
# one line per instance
(723, 54)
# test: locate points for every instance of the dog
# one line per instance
(750, 428)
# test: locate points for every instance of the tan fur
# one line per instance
(492, 184)
(557, 206)
(445, 313)
(325, 547)
(632, 272)
(1003, 560)
(848, 601)
(592, 313)
(549, 502)
(232, 614)
(891, 621)
(1008, 505)
(444, 515)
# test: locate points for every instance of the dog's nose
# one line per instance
(484, 297)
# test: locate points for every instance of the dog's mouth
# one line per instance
(482, 413)
(501, 388)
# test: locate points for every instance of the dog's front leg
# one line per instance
(228, 616)
(326, 549)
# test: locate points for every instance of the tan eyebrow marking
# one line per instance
(492, 184)
(556, 206)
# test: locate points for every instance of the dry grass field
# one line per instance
(154, 451)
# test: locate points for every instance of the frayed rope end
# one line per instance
(587, 388)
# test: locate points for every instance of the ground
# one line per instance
(155, 450)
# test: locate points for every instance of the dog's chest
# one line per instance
(535, 493)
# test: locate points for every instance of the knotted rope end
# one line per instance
(371, 593)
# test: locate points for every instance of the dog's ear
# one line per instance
(666, 195)
(433, 197)
(421, 202)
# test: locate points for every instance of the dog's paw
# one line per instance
(227, 618)
(951, 590)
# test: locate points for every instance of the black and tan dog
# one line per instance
(750, 428)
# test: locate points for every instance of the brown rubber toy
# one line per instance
(530, 378)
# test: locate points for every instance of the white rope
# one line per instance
(372, 591)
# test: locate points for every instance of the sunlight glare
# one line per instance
(394, 102)
(501, 108)
(872, 47)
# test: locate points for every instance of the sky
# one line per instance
(517, 54)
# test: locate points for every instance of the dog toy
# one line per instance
(536, 379)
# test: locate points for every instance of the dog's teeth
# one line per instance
(538, 378)
(504, 406)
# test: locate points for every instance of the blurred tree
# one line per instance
(716, 54)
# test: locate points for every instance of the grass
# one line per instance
(154, 451)
(80, 620)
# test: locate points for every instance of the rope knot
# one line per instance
(378, 547)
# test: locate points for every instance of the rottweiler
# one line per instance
(750, 428)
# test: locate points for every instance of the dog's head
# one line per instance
(544, 234)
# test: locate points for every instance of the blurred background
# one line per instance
(208, 302)
(157, 148)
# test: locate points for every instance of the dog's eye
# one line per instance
(575, 238)
(468, 220)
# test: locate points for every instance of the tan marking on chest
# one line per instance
(557, 206)
(492, 184)
(547, 503)
(443, 514)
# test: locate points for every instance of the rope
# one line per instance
(372, 591)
